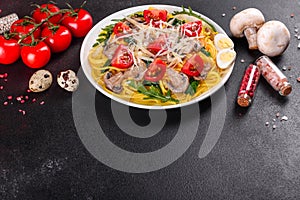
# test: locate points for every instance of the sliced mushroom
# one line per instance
(176, 82)
(273, 38)
(246, 23)
(114, 82)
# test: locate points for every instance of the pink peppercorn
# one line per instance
(248, 85)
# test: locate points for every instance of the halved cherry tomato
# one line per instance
(57, 37)
(44, 10)
(193, 66)
(155, 71)
(191, 29)
(121, 28)
(122, 57)
(155, 15)
(157, 45)
(79, 22)
(22, 27)
(36, 56)
(9, 50)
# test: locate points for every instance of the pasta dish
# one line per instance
(154, 57)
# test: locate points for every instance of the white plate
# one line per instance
(91, 37)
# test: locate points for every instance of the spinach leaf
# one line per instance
(192, 87)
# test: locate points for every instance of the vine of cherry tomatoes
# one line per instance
(48, 30)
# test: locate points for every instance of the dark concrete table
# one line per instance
(75, 146)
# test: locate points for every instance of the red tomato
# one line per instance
(22, 27)
(78, 22)
(122, 57)
(155, 15)
(155, 71)
(192, 29)
(57, 37)
(36, 56)
(9, 50)
(193, 66)
(157, 45)
(43, 11)
(121, 28)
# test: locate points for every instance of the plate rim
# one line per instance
(93, 33)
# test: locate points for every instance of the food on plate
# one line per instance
(248, 85)
(40, 81)
(7, 21)
(68, 80)
(225, 58)
(273, 75)
(246, 23)
(155, 57)
(273, 38)
(222, 41)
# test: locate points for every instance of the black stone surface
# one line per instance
(42, 156)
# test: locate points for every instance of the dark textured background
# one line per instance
(42, 157)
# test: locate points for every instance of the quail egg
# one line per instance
(225, 58)
(222, 41)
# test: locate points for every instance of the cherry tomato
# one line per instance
(57, 37)
(78, 22)
(9, 50)
(121, 28)
(193, 66)
(36, 56)
(155, 15)
(22, 27)
(122, 57)
(157, 45)
(192, 29)
(43, 11)
(155, 71)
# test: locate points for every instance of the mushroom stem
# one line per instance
(250, 34)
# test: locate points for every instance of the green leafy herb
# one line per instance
(191, 13)
(177, 22)
(107, 63)
(204, 51)
(152, 92)
(139, 14)
(192, 87)
(104, 35)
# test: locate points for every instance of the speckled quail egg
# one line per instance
(222, 41)
(225, 58)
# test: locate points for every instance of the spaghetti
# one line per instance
(159, 61)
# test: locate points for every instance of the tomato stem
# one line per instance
(51, 14)
(62, 11)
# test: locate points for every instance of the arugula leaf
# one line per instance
(139, 14)
(205, 52)
(191, 13)
(192, 87)
(104, 34)
(153, 92)
(177, 21)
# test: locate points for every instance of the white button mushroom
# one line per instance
(246, 23)
(273, 38)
